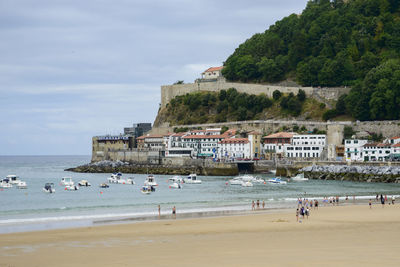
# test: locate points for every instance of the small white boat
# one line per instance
(147, 189)
(13, 179)
(116, 178)
(5, 183)
(150, 180)
(235, 181)
(49, 188)
(247, 184)
(192, 179)
(84, 183)
(104, 185)
(176, 179)
(258, 180)
(246, 178)
(22, 185)
(299, 177)
(67, 181)
(71, 187)
(276, 180)
(175, 185)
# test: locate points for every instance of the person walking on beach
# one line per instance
(263, 204)
(253, 205)
(258, 204)
(159, 211)
(393, 199)
(174, 212)
(316, 204)
(377, 197)
(370, 204)
(297, 215)
(337, 200)
(382, 201)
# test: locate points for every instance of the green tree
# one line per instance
(276, 94)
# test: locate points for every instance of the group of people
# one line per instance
(304, 207)
(173, 212)
(382, 199)
(258, 203)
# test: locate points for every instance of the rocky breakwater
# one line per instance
(386, 174)
(107, 166)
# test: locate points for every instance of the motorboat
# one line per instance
(299, 177)
(175, 185)
(5, 183)
(67, 181)
(235, 181)
(150, 180)
(176, 179)
(104, 185)
(116, 178)
(258, 180)
(22, 185)
(147, 189)
(49, 188)
(192, 179)
(13, 179)
(276, 180)
(71, 187)
(246, 178)
(247, 184)
(84, 183)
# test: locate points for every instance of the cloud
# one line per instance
(72, 69)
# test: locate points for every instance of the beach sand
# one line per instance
(332, 236)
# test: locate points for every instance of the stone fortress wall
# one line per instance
(168, 92)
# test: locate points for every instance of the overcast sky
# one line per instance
(73, 69)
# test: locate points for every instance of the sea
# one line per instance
(32, 209)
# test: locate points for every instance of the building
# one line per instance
(106, 143)
(175, 146)
(234, 148)
(306, 146)
(354, 149)
(137, 130)
(155, 142)
(255, 144)
(377, 152)
(205, 144)
(274, 144)
(212, 73)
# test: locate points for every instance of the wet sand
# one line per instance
(332, 236)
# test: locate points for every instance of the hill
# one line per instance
(231, 105)
(332, 43)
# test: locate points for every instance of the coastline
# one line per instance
(349, 235)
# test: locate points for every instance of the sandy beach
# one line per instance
(332, 236)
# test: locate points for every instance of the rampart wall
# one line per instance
(168, 92)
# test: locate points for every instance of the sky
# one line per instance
(73, 69)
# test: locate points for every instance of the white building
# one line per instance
(274, 143)
(212, 73)
(175, 146)
(205, 145)
(377, 152)
(233, 148)
(306, 146)
(353, 149)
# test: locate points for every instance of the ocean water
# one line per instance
(32, 209)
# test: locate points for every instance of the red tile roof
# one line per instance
(201, 136)
(376, 145)
(213, 69)
(396, 145)
(279, 135)
(396, 137)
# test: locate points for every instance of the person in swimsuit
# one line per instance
(174, 212)
(370, 204)
(297, 215)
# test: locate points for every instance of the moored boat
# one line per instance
(22, 185)
(67, 181)
(276, 180)
(13, 179)
(5, 183)
(299, 178)
(84, 183)
(150, 180)
(192, 179)
(175, 185)
(49, 188)
(104, 185)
